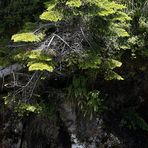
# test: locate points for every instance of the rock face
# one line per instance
(63, 131)
(66, 129)
(86, 133)
(44, 132)
(39, 132)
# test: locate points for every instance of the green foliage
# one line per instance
(120, 31)
(104, 26)
(97, 18)
(27, 37)
(107, 37)
(38, 55)
(77, 89)
(4, 62)
(72, 3)
(111, 63)
(90, 61)
(39, 66)
(36, 60)
(132, 120)
(92, 105)
(51, 16)
(68, 10)
(111, 75)
(58, 10)
(21, 107)
(39, 60)
(13, 11)
(26, 108)
(29, 26)
(108, 66)
(89, 102)
(109, 8)
(14, 14)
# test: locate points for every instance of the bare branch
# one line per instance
(35, 83)
(50, 41)
(48, 24)
(85, 37)
(10, 69)
(63, 40)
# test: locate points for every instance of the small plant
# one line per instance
(132, 120)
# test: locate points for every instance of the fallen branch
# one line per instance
(10, 69)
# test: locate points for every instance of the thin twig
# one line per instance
(30, 79)
(23, 88)
(63, 40)
(85, 37)
(35, 85)
(50, 41)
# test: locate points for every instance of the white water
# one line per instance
(77, 146)
(76, 143)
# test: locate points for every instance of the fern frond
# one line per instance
(27, 37)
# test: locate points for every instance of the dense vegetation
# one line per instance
(88, 56)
